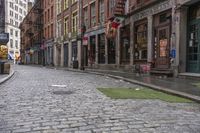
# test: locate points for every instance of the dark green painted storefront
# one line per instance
(193, 47)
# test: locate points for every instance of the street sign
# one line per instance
(4, 38)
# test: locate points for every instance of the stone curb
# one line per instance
(7, 77)
(159, 88)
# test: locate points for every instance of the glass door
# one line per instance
(193, 50)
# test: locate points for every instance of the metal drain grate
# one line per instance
(63, 92)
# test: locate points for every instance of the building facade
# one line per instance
(32, 38)
(49, 18)
(67, 47)
(158, 36)
(15, 11)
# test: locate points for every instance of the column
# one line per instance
(70, 54)
(149, 40)
(62, 55)
(131, 42)
(96, 50)
(118, 40)
(181, 41)
(106, 50)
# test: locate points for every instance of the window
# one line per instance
(25, 13)
(16, 44)
(74, 22)
(51, 12)
(66, 26)
(20, 18)
(11, 5)
(45, 17)
(16, 33)
(141, 41)
(11, 43)
(11, 32)
(20, 10)
(73, 1)
(16, 8)
(58, 6)
(16, 1)
(101, 11)
(16, 23)
(66, 4)
(48, 31)
(16, 16)
(85, 15)
(11, 13)
(48, 13)
(93, 14)
(58, 29)
(11, 21)
(52, 31)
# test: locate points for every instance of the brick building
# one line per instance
(66, 48)
(32, 35)
(49, 18)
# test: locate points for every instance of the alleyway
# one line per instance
(38, 100)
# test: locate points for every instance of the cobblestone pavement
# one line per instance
(32, 101)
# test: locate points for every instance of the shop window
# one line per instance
(111, 51)
(125, 45)
(92, 49)
(101, 48)
(141, 42)
(74, 51)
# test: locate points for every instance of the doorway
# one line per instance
(163, 48)
(66, 56)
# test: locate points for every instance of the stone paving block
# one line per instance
(31, 105)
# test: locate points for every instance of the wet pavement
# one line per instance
(177, 84)
(40, 100)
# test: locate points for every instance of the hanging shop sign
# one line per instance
(85, 40)
(4, 38)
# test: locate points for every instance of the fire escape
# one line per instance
(119, 10)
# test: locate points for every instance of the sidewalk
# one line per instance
(6, 77)
(181, 87)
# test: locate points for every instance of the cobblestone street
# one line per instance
(40, 100)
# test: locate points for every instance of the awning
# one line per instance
(10, 56)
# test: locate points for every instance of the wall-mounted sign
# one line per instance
(163, 48)
(3, 52)
(4, 38)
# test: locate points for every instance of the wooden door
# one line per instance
(163, 48)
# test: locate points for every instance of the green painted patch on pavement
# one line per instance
(141, 93)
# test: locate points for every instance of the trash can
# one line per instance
(75, 64)
(2, 67)
(6, 68)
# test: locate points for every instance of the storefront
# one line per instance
(193, 44)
